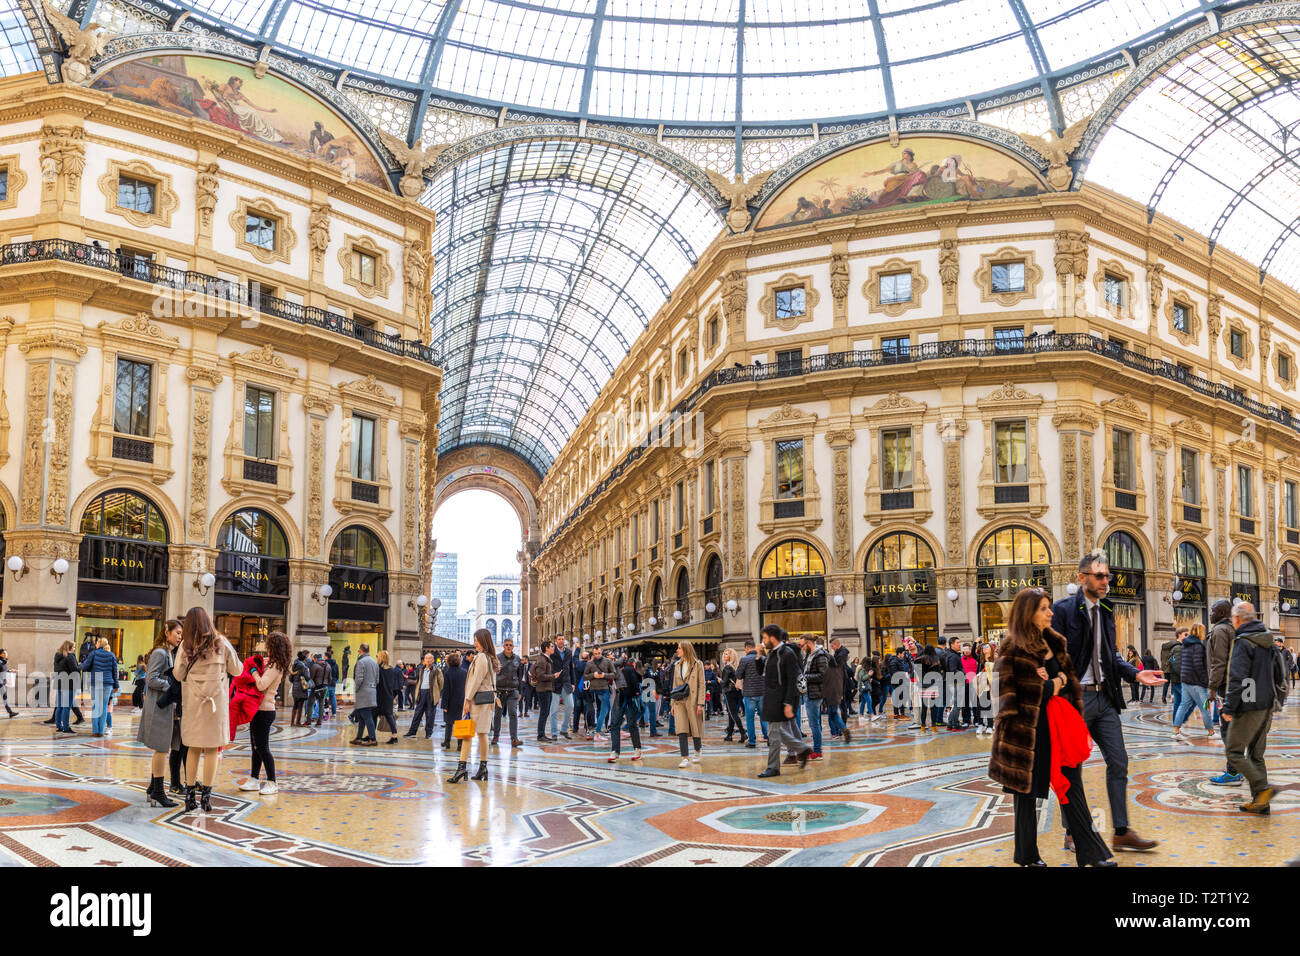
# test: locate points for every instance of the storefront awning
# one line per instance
(439, 643)
(707, 630)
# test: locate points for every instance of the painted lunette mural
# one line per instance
(921, 170)
(230, 95)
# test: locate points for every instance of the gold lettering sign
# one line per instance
(123, 563)
(252, 575)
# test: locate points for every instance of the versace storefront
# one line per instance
(358, 602)
(1009, 560)
(792, 589)
(252, 589)
(901, 593)
(122, 574)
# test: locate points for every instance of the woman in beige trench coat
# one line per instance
(688, 713)
(204, 665)
(482, 678)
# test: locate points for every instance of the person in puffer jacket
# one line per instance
(1217, 647)
(1193, 669)
(102, 666)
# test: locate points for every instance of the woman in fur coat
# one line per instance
(1034, 675)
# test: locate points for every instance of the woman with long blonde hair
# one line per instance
(727, 680)
(687, 693)
(480, 703)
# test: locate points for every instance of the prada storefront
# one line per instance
(901, 594)
(122, 574)
(252, 589)
(1189, 587)
(1128, 593)
(792, 589)
(1009, 560)
(358, 603)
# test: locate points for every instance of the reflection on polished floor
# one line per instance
(894, 797)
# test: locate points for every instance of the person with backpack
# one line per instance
(331, 681)
(1256, 686)
(749, 672)
(1217, 650)
(1169, 666)
(835, 685)
(627, 705)
(1194, 689)
(783, 684)
(300, 681)
(597, 675)
(815, 664)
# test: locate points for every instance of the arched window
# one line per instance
(358, 547)
(604, 618)
(683, 589)
(507, 601)
(792, 559)
(491, 626)
(656, 602)
(900, 552)
(490, 601)
(1243, 569)
(1188, 561)
(253, 532)
(713, 586)
(1288, 576)
(636, 607)
(124, 514)
(507, 630)
(1013, 545)
(618, 613)
(1123, 551)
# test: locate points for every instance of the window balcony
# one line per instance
(264, 471)
(132, 449)
(365, 491)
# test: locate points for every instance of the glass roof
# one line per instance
(17, 52)
(1213, 142)
(549, 260)
(703, 61)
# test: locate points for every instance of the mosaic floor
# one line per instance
(894, 797)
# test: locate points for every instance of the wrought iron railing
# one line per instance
(197, 283)
(929, 352)
(264, 471)
(132, 449)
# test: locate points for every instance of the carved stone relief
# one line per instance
(1070, 493)
(33, 487)
(200, 456)
(315, 483)
(56, 493)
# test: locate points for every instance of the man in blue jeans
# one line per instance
(815, 663)
(330, 681)
(599, 672)
(749, 674)
(562, 696)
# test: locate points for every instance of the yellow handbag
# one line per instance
(462, 729)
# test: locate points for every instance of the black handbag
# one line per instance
(172, 695)
(680, 692)
(485, 697)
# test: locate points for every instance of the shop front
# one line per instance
(901, 593)
(1245, 581)
(252, 590)
(792, 589)
(122, 574)
(1190, 606)
(358, 603)
(1127, 595)
(1288, 603)
(1009, 560)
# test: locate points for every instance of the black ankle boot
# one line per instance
(177, 788)
(156, 795)
(205, 798)
(460, 774)
(191, 802)
(482, 771)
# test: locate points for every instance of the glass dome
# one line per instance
(702, 61)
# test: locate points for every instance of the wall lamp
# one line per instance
(952, 596)
(422, 600)
(732, 606)
(322, 593)
(203, 583)
(58, 569)
(838, 601)
(709, 608)
(17, 566)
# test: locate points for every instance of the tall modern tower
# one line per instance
(443, 587)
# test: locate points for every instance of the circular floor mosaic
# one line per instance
(340, 783)
(33, 804)
(792, 817)
(1190, 791)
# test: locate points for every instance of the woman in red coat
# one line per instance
(1039, 738)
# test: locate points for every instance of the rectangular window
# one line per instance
(1009, 276)
(714, 334)
(895, 287)
(659, 389)
(1114, 290)
(896, 348)
(1011, 442)
(131, 398)
(1009, 340)
(1245, 492)
(4, 184)
(1116, 345)
(679, 505)
(363, 448)
(1237, 343)
(789, 468)
(1182, 322)
(134, 262)
(260, 231)
(1191, 476)
(363, 267)
(1284, 367)
(708, 493)
(1290, 507)
(790, 302)
(135, 194)
(683, 361)
(654, 521)
(636, 534)
(259, 422)
(1122, 458)
(789, 361)
(896, 459)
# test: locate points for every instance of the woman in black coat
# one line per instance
(390, 685)
(453, 696)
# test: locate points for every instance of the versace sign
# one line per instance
(891, 588)
(807, 593)
(1003, 582)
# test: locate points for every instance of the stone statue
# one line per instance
(738, 193)
(83, 45)
(413, 160)
(205, 193)
(1057, 151)
(318, 229)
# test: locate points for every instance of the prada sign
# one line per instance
(892, 588)
(1127, 585)
(242, 573)
(807, 593)
(1004, 582)
(122, 561)
(358, 586)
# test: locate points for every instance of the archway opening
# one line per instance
(476, 571)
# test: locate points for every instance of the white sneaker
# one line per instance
(250, 784)
(268, 788)
(695, 757)
(636, 754)
(684, 764)
(613, 757)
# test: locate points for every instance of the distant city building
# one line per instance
(445, 589)
(464, 628)
(496, 607)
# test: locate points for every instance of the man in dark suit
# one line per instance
(1079, 619)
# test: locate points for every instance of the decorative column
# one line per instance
(1160, 612)
(1222, 489)
(1077, 522)
(732, 452)
(1268, 590)
(404, 614)
(847, 622)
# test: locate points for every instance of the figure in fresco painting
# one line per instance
(905, 177)
(232, 109)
